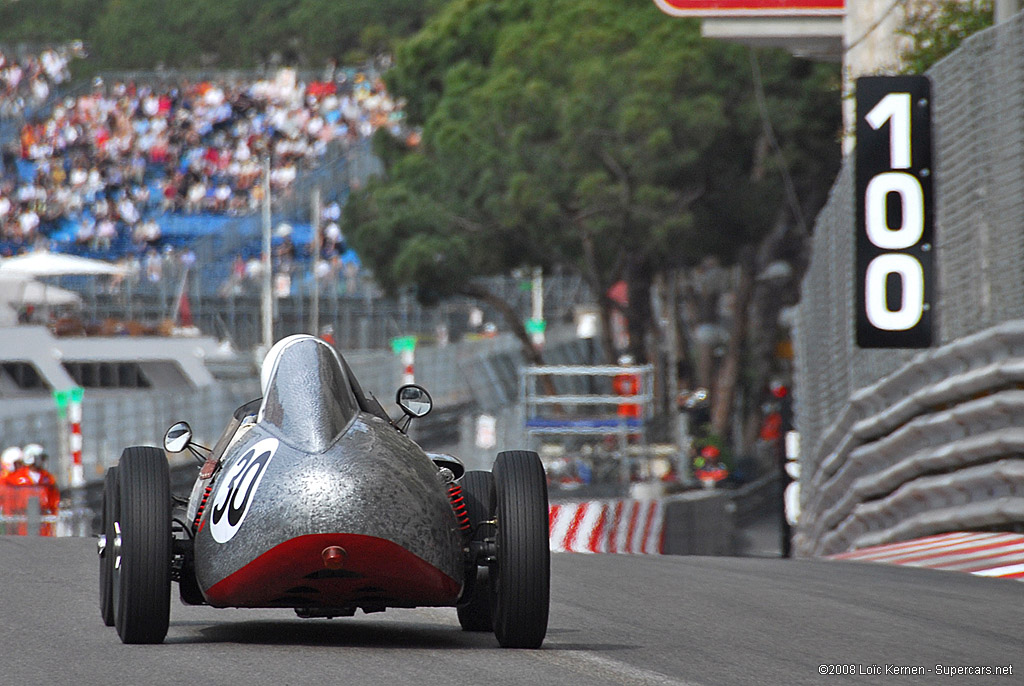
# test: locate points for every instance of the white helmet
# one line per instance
(34, 454)
(9, 456)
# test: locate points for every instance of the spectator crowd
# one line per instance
(105, 165)
(26, 82)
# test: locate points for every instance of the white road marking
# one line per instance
(581, 661)
(1001, 571)
(605, 668)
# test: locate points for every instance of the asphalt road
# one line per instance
(615, 619)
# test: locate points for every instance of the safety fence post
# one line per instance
(75, 419)
(405, 348)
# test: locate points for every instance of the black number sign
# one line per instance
(895, 235)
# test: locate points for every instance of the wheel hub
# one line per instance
(117, 545)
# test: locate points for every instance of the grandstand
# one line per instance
(62, 163)
(166, 172)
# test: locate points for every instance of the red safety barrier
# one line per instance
(607, 526)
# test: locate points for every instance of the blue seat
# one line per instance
(26, 170)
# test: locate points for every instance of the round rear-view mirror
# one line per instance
(178, 437)
(414, 400)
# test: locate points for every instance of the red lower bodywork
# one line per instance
(374, 572)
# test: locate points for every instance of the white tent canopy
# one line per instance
(17, 288)
(45, 263)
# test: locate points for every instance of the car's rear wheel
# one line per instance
(108, 516)
(522, 580)
(475, 610)
(142, 579)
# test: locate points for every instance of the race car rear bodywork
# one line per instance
(317, 504)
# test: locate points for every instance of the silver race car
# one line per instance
(314, 499)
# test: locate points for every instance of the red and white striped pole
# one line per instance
(405, 348)
(75, 419)
(408, 358)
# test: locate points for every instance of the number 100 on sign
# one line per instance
(895, 244)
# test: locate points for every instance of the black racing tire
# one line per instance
(521, 583)
(108, 516)
(475, 610)
(142, 582)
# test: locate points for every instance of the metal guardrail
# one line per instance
(113, 423)
(459, 375)
(360, 319)
(934, 447)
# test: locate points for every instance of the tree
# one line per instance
(43, 21)
(341, 30)
(937, 29)
(230, 33)
(596, 135)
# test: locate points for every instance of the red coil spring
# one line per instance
(202, 506)
(459, 506)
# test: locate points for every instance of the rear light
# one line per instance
(334, 557)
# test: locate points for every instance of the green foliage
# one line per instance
(43, 21)
(227, 33)
(937, 29)
(602, 136)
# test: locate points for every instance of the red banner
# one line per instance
(754, 8)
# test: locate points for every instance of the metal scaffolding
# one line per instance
(589, 403)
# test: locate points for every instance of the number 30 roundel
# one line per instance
(237, 489)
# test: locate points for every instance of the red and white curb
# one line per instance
(607, 526)
(982, 554)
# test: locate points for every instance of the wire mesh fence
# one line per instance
(978, 130)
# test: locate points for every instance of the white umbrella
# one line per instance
(45, 263)
(18, 288)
